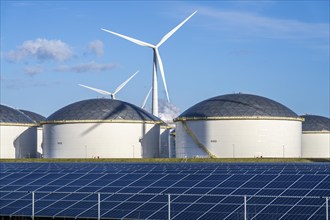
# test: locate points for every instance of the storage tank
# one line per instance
(166, 141)
(238, 126)
(18, 134)
(101, 128)
(315, 137)
(37, 118)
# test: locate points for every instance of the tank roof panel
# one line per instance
(101, 109)
(238, 105)
(13, 116)
(315, 123)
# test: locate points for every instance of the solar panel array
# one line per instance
(141, 190)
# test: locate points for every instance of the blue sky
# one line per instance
(275, 49)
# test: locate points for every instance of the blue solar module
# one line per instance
(140, 190)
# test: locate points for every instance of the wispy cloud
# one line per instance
(21, 4)
(41, 49)
(33, 70)
(19, 83)
(246, 23)
(96, 47)
(86, 67)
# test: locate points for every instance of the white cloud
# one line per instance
(41, 49)
(168, 111)
(33, 70)
(96, 47)
(87, 67)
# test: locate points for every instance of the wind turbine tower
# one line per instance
(157, 61)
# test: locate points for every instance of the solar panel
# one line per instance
(140, 190)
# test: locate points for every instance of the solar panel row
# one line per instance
(182, 206)
(140, 191)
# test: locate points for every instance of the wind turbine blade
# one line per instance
(160, 63)
(169, 34)
(139, 42)
(124, 83)
(146, 99)
(96, 90)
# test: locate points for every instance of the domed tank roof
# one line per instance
(315, 123)
(101, 110)
(12, 116)
(34, 116)
(238, 106)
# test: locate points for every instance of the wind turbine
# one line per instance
(111, 94)
(156, 61)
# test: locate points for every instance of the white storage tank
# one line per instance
(166, 141)
(315, 137)
(37, 118)
(238, 126)
(18, 134)
(171, 148)
(101, 128)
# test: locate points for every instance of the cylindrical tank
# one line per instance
(101, 128)
(315, 137)
(238, 126)
(18, 134)
(37, 118)
(166, 141)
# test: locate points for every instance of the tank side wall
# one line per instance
(164, 142)
(315, 145)
(104, 140)
(150, 140)
(241, 138)
(185, 146)
(39, 142)
(18, 142)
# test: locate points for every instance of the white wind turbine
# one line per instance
(156, 60)
(111, 94)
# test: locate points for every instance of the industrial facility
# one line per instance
(238, 126)
(226, 126)
(101, 128)
(315, 141)
(18, 134)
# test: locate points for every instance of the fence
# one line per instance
(100, 205)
